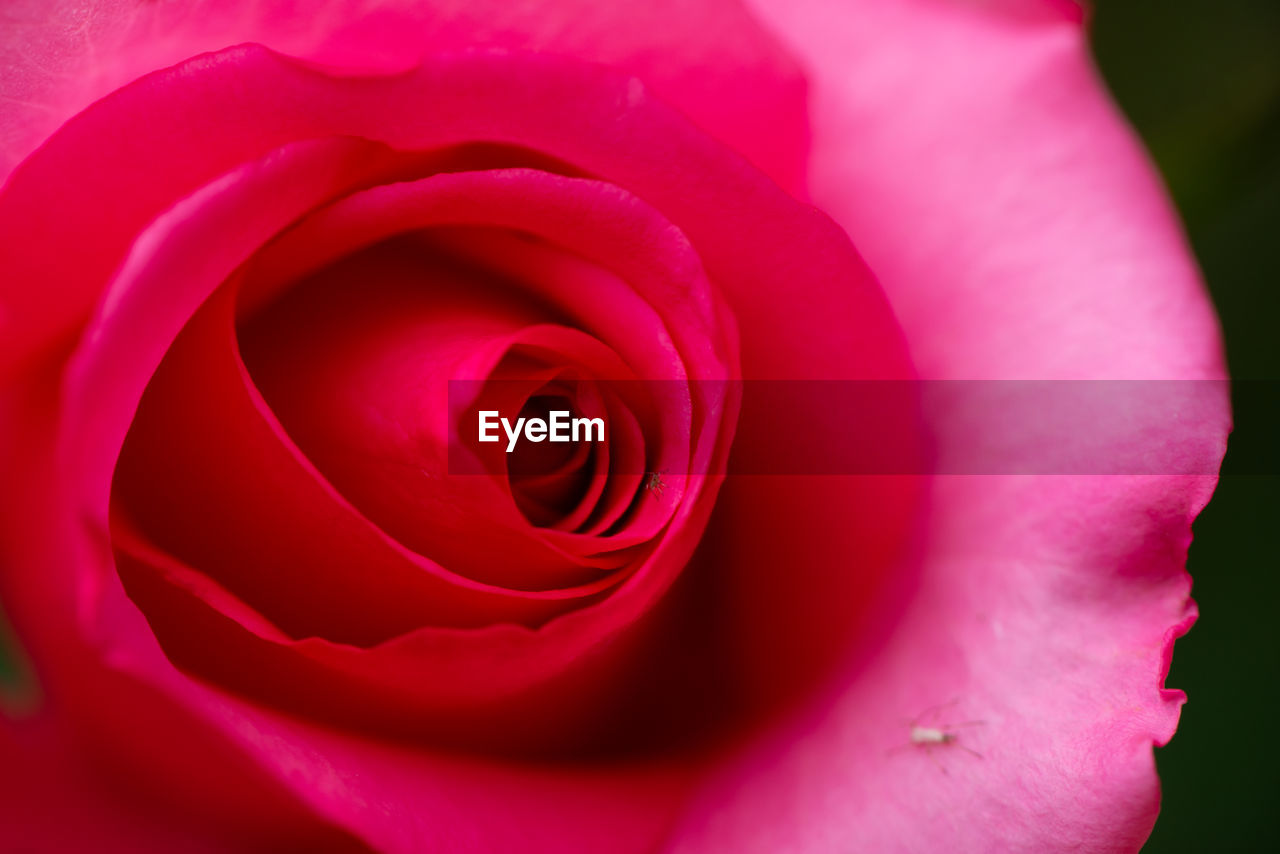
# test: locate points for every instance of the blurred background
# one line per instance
(1200, 79)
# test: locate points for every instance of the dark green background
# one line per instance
(1201, 81)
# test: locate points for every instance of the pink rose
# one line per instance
(245, 246)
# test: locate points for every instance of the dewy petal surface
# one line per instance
(1019, 232)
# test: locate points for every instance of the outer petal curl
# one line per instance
(1019, 232)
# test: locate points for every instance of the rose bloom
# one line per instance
(244, 245)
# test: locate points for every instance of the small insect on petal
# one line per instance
(929, 737)
(654, 484)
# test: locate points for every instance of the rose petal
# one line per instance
(1019, 233)
(252, 524)
(52, 800)
(597, 222)
(709, 57)
(415, 800)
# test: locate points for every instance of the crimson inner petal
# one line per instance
(657, 305)
(251, 524)
(356, 360)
